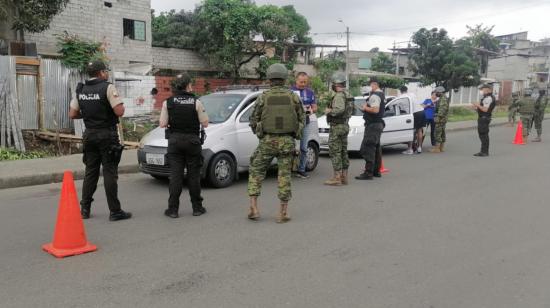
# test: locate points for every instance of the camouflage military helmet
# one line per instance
(277, 71)
(95, 67)
(440, 89)
(181, 82)
(338, 78)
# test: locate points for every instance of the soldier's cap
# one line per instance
(96, 66)
(439, 89)
(486, 86)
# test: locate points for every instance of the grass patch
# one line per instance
(11, 154)
(458, 114)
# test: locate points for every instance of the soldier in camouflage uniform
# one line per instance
(441, 116)
(526, 111)
(513, 109)
(540, 109)
(278, 118)
(338, 114)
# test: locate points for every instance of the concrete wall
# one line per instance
(93, 20)
(135, 91)
(179, 59)
(509, 68)
(190, 60)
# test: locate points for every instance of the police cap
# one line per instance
(277, 71)
(95, 67)
(181, 82)
(486, 86)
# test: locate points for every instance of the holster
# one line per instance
(203, 136)
(115, 152)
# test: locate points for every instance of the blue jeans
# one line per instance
(303, 149)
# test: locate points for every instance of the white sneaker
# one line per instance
(419, 150)
(408, 152)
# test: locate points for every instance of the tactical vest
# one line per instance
(182, 114)
(491, 108)
(279, 112)
(94, 104)
(376, 117)
(526, 105)
(348, 112)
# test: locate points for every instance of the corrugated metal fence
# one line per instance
(57, 84)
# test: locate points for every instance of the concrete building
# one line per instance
(124, 26)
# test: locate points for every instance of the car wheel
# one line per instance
(312, 156)
(221, 172)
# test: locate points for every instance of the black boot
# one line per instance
(85, 212)
(198, 210)
(481, 154)
(172, 213)
(120, 215)
(367, 174)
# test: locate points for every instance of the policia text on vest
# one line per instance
(97, 102)
(183, 115)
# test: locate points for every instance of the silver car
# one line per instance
(230, 142)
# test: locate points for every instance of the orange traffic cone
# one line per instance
(69, 238)
(519, 134)
(382, 168)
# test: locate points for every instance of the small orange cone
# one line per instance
(519, 134)
(69, 237)
(382, 168)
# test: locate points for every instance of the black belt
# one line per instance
(113, 128)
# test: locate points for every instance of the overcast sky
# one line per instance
(380, 23)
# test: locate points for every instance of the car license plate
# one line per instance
(155, 159)
(323, 140)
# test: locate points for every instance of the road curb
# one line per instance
(459, 129)
(55, 177)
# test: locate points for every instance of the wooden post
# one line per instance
(41, 102)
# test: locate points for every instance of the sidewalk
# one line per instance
(50, 170)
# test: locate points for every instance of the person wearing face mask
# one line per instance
(485, 110)
(373, 114)
(441, 116)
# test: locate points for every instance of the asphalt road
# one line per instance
(445, 230)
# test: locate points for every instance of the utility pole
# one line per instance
(347, 58)
(396, 59)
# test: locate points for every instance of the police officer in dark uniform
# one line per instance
(182, 115)
(98, 103)
(373, 114)
(485, 110)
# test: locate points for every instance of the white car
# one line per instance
(399, 124)
(229, 143)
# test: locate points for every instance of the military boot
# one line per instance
(367, 173)
(538, 139)
(442, 147)
(436, 149)
(336, 179)
(283, 214)
(344, 178)
(254, 213)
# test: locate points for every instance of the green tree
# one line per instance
(77, 53)
(383, 63)
(231, 33)
(438, 60)
(481, 37)
(327, 66)
(173, 29)
(30, 15)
